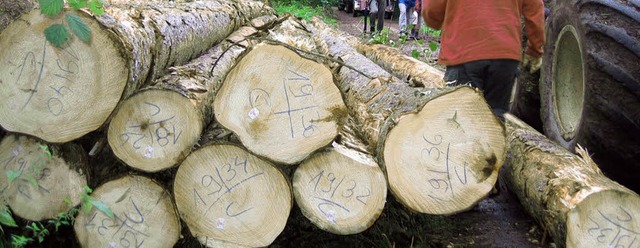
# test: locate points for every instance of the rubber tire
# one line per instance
(609, 122)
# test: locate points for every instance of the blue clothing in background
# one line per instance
(408, 3)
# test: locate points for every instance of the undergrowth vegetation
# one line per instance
(33, 232)
(307, 8)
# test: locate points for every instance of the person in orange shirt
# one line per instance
(481, 43)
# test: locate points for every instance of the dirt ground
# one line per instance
(497, 221)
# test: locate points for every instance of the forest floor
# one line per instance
(497, 221)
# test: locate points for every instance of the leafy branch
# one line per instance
(59, 34)
(39, 231)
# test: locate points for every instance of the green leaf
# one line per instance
(421, 42)
(45, 149)
(6, 218)
(57, 34)
(32, 180)
(68, 202)
(34, 226)
(77, 4)
(79, 28)
(51, 7)
(102, 207)
(433, 46)
(87, 189)
(12, 175)
(19, 241)
(415, 54)
(96, 7)
(86, 207)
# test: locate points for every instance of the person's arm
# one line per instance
(534, 26)
(433, 12)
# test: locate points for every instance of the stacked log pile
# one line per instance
(296, 96)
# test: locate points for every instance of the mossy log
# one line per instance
(37, 176)
(441, 148)
(230, 197)
(281, 105)
(157, 127)
(340, 190)
(144, 216)
(567, 194)
(60, 94)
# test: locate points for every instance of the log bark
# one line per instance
(157, 127)
(441, 148)
(11, 10)
(281, 105)
(340, 191)
(49, 91)
(228, 196)
(415, 72)
(144, 215)
(45, 175)
(567, 194)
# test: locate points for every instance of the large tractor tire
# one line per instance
(589, 88)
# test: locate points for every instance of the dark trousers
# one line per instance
(495, 77)
(378, 17)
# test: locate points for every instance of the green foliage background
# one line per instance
(307, 8)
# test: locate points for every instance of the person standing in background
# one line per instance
(417, 23)
(405, 18)
(481, 43)
(376, 8)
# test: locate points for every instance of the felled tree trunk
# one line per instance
(441, 148)
(414, 71)
(567, 194)
(61, 94)
(281, 105)
(37, 177)
(227, 195)
(340, 191)
(144, 216)
(157, 127)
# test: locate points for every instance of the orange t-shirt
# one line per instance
(485, 29)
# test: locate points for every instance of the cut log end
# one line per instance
(37, 178)
(339, 194)
(445, 158)
(51, 93)
(154, 130)
(608, 218)
(227, 195)
(281, 105)
(144, 214)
